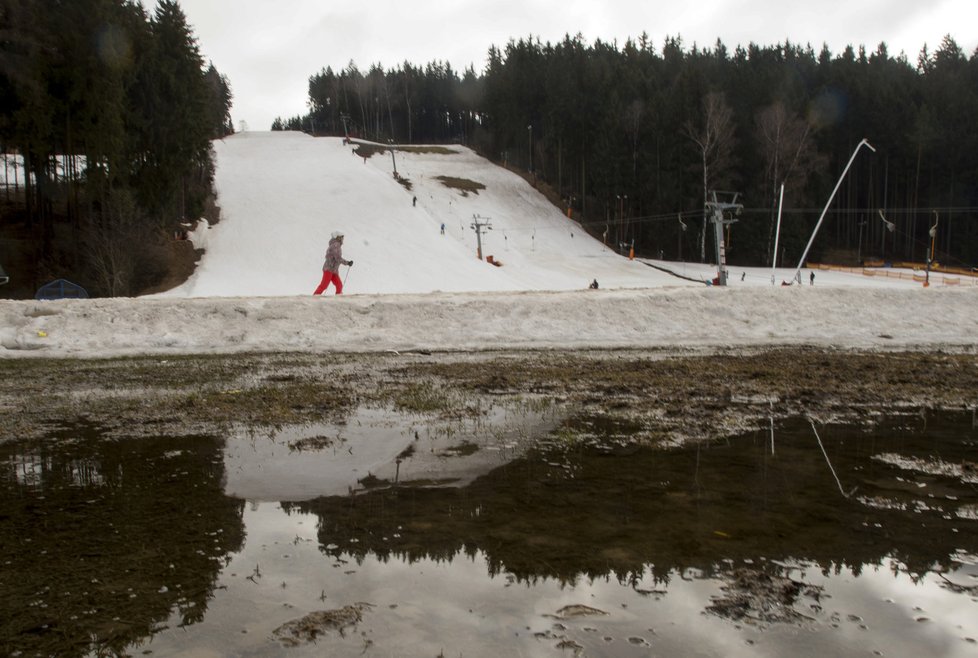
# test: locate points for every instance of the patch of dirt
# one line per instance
(464, 185)
(756, 597)
(314, 443)
(660, 397)
(321, 622)
(404, 182)
(579, 610)
(463, 449)
(435, 150)
(368, 150)
(181, 260)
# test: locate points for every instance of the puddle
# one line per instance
(375, 448)
(517, 534)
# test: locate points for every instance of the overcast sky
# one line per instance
(268, 50)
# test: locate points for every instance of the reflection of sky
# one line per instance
(903, 614)
(940, 615)
(454, 607)
(264, 467)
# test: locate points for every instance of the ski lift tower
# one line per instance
(720, 211)
(480, 224)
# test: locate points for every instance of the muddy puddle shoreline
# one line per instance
(803, 501)
(663, 395)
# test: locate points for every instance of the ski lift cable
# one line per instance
(698, 214)
(645, 219)
(897, 232)
(867, 211)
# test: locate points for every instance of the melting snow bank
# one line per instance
(646, 318)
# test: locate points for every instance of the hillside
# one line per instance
(283, 193)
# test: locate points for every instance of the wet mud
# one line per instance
(584, 503)
(667, 395)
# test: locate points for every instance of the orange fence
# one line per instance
(937, 276)
(934, 267)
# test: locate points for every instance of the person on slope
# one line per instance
(331, 267)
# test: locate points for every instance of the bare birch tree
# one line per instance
(715, 140)
(789, 155)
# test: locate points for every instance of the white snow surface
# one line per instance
(412, 288)
(283, 194)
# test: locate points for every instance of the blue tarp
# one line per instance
(61, 289)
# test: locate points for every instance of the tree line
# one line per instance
(111, 111)
(635, 139)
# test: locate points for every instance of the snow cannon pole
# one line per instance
(826, 209)
(777, 235)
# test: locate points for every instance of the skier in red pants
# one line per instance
(331, 267)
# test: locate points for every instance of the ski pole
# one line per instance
(348, 268)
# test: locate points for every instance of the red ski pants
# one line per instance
(327, 278)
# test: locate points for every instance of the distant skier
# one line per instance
(331, 267)
(443, 228)
(811, 279)
(594, 285)
(414, 202)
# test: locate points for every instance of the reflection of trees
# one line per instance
(102, 539)
(666, 511)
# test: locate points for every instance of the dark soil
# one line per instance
(659, 395)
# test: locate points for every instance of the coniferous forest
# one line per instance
(635, 138)
(112, 111)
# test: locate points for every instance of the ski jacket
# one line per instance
(334, 256)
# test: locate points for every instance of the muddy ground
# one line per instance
(556, 516)
(662, 396)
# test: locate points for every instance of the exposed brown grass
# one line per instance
(679, 394)
(464, 185)
(435, 150)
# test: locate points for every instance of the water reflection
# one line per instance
(376, 448)
(574, 507)
(522, 532)
(433, 606)
(102, 540)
